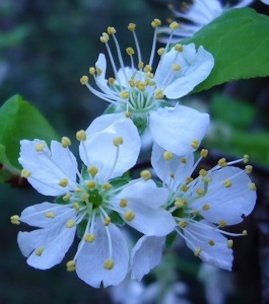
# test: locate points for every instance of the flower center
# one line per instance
(95, 198)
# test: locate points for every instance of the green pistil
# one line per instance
(95, 198)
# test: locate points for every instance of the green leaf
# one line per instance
(234, 112)
(239, 42)
(20, 120)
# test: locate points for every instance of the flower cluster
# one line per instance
(97, 199)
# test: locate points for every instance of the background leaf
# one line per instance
(20, 120)
(239, 42)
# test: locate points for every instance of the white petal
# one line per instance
(164, 168)
(198, 237)
(111, 161)
(90, 262)
(55, 241)
(146, 255)
(195, 68)
(144, 200)
(244, 3)
(174, 129)
(102, 122)
(46, 214)
(227, 204)
(48, 167)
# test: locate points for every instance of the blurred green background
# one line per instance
(45, 47)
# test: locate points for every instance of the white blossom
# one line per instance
(147, 95)
(90, 202)
(202, 206)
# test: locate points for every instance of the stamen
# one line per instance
(40, 147)
(81, 135)
(131, 27)
(108, 264)
(204, 153)
(167, 155)
(89, 237)
(230, 243)
(84, 80)
(63, 182)
(39, 251)
(92, 171)
(117, 141)
(15, 219)
(252, 186)
(195, 144)
(145, 174)
(71, 266)
(66, 142)
(25, 173)
(70, 223)
(129, 215)
(123, 203)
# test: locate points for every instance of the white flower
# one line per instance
(197, 14)
(90, 202)
(147, 95)
(265, 1)
(221, 196)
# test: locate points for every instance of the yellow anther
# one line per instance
(179, 47)
(203, 172)
(204, 153)
(248, 169)
(63, 182)
(206, 207)
(124, 94)
(98, 71)
(84, 80)
(184, 188)
(195, 212)
(107, 221)
(15, 219)
(147, 68)
(131, 83)
(182, 224)
(200, 191)
(111, 81)
(128, 114)
(67, 197)
(50, 215)
(111, 30)
(189, 180)
(78, 190)
(140, 65)
(227, 183)
(89, 237)
(123, 203)
(183, 160)
(104, 38)
(195, 144)
(92, 71)
(244, 232)
(252, 186)
(129, 215)
(161, 51)
(90, 184)
(40, 147)
(81, 135)
(245, 159)
(176, 67)
(156, 22)
(117, 141)
(39, 251)
(197, 251)
(108, 264)
(76, 206)
(158, 94)
(70, 223)
(130, 51)
(222, 162)
(25, 173)
(167, 155)
(71, 266)
(174, 25)
(141, 86)
(211, 243)
(145, 174)
(180, 202)
(222, 223)
(65, 141)
(92, 171)
(107, 186)
(131, 27)
(230, 243)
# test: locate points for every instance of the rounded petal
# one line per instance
(90, 262)
(228, 204)
(48, 167)
(46, 214)
(201, 238)
(102, 122)
(112, 160)
(146, 255)
(174, 129)
(171, 171)
(144, 200)
(195, 66)
(46, 247)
